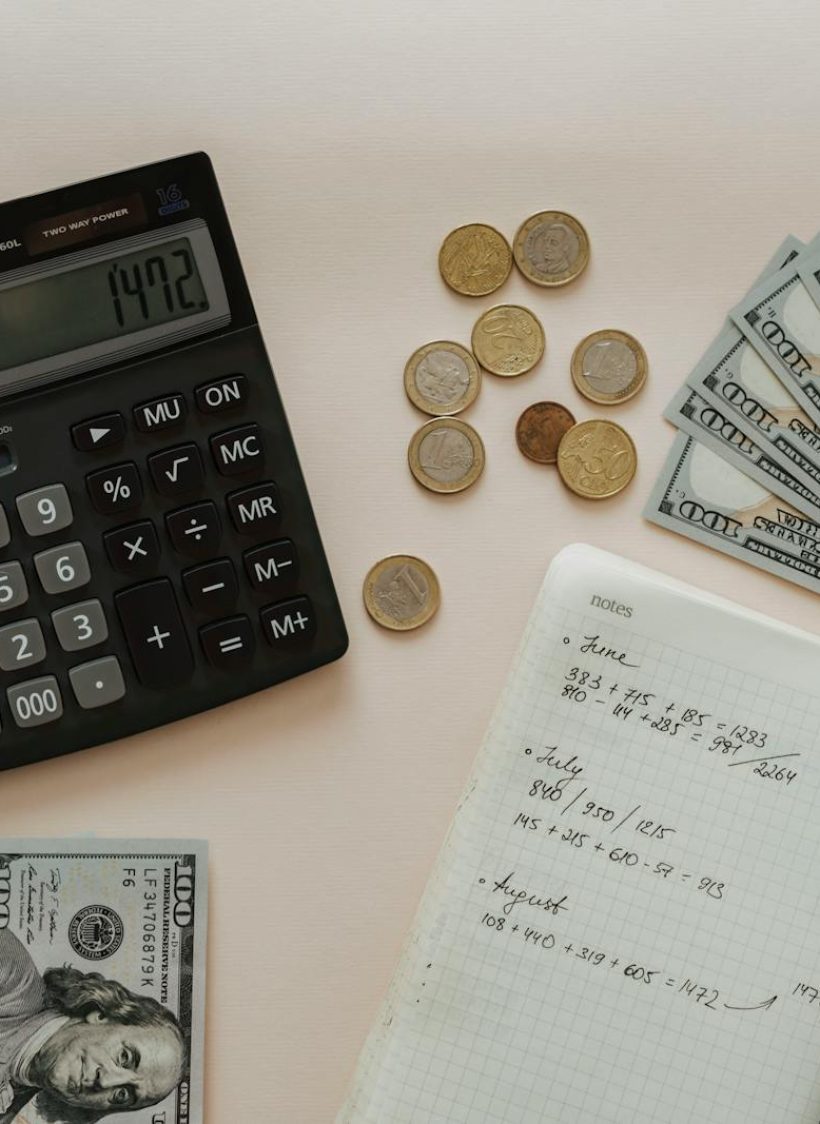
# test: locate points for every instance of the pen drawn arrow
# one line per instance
(767, 1003)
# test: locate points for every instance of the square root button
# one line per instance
(98, 683)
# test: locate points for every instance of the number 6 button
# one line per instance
(63, 567)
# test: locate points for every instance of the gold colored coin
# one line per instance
(446, 455)
(401, 592)
(442, 378)
(609, 367)
(596, 459)
(508, 340)
(551, 248)
(475, 259)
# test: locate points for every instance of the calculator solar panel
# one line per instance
(158, 550)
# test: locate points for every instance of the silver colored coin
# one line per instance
(446, 455)
(401, 592)
(442, 378)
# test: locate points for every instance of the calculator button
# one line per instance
(21, 644)
(228, 644)
(155, 634)
(161, 413)
(212, 588)
(238, 450)
(115, 489)
(223, 394)
(80, 626)
(62, 568)
(13, 587)
(273, 566)
(290, 623)
(177, 471)
(5, 533)
(255, 511)
(98, 683)
(195, 530)
(35, 702)
(98, 433)
(45, 510)
(133, 549)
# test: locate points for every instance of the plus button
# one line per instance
(158, 637)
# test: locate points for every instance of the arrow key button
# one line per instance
(98, 433)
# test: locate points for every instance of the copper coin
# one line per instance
(540, 428)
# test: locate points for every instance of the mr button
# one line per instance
(255, 511)
(238, 450)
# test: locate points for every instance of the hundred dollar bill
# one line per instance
(749, 400)
(702, 497)
(782, 322)
(102, 980)
(715, 426)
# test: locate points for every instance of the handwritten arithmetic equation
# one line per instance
(736, 744)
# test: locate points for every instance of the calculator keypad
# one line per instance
(63, 568)
(21, 645)
(45, 510)
(80, 626)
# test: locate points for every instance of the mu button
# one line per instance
(162, 413)
(238, 450)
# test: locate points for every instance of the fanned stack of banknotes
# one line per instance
(743, 475)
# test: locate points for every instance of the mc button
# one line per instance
(238, 450)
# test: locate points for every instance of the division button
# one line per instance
(238, 450)
(195, 530)
(133, 549)
(228, 644)
(256, 511)
(98, 433)
(115, 489)
(289, 624)
(45, 510)
(273, 567)
(224, 394)
(35, 702)
(98, 683)
(212, 588)
(62, 568)
(155, 633)
(80, 626)
(161, 413)
(21, 645)
(177, 471)
(13, 586)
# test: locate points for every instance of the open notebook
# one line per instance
(623, 925)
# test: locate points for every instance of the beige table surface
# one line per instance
(348, 139)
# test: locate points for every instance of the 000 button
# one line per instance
(36, 702)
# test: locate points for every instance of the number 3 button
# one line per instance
(80, 626)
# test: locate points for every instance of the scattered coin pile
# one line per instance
(595, 459)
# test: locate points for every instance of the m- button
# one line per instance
(238, 450)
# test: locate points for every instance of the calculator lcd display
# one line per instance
(104, 300)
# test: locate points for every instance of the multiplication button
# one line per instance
(115, 489)
(98, 683)
(133, 549)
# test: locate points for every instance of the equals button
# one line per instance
(228, 644)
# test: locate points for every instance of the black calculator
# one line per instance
(158, 550)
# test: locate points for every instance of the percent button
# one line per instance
(115, 489)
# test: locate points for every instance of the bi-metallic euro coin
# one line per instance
(475, 260)
(442, 378)
(401, 592)
(551, 248)
(609, 366)
(596, 459)
(446, 455)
